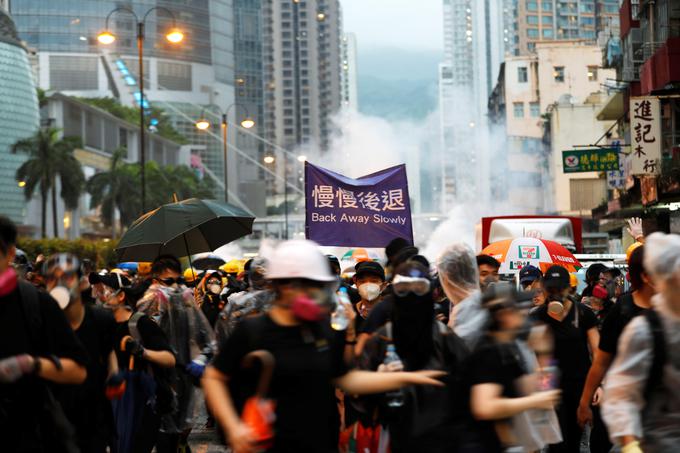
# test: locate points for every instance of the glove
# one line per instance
(197, 366)
(13, 368)
(115, 386)
(631, 447)
(134, 347)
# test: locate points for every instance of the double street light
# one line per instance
(203, 124)
(270, 160)
(107, 37)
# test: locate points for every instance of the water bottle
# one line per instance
(340, 317)
(548, 379)
(395, 398)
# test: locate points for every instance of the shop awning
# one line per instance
(613, 108)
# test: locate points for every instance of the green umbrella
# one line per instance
(183, 228)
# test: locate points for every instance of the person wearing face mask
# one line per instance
(574, 330)
(369, 279)
(171, 305)
(213, 302)
(85, 405)
(38, 349)
(641, 403)
(144, 358)
(429, 418)
(308, 359)
(459, 278)
(487, 266)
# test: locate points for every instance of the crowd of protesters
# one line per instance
(293, 356)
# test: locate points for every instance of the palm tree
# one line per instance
(50, 157)
(113, 189)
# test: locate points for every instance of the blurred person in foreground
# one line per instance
(574, 330)
(641, 402)
(430, 418)
(37, 349)
(507, 410)
(308, 361)
(488, 267)
(628, 307)
(86, 405)
(459, 277)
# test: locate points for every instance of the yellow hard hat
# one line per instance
(190, 275)
(630, 250)
(573, 280)
(232, 267)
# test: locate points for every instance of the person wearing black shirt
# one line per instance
(86, 405)
(37, 347)
(493, 371)
(628, 306)
(144, 356)
(574, 330)
(308, 360)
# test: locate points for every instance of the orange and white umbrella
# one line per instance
(514, 254)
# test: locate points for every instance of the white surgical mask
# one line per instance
(215, 288)
(369, 291)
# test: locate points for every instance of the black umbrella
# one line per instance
(206, 261)
(182, 228)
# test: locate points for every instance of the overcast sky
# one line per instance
(407, 24)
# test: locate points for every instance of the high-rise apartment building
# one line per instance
(301, 51)
(478, 34)
(350, 95)
(556, 20)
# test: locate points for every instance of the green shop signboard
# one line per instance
(590, 159)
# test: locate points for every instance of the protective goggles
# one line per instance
(61, 264)
(402, 285)
(171, 281)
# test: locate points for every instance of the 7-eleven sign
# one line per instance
(529, 252)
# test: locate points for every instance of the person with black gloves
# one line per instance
(145, 358)
(37, 349)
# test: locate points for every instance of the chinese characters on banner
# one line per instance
(593, 159)
(645, 135)
(616, 179)
(366, 212)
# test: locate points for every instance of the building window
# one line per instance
(532, 20)
(558, 73)
(547, 20)
(531, 46)
(174, 76)
(546, 6)
(532, 32)
(74, 73)
(534, 109)
(518, 109)
(532, 5)
(592, 73)
(522, 75)
(548, 33)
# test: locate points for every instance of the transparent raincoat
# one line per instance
(239, 307)
(625, 410)
(191, 338)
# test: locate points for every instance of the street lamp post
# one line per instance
(271, 160)
(247, 123)
(106, 37)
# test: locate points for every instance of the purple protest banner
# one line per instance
(366, 212)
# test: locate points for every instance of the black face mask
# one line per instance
(412, 319)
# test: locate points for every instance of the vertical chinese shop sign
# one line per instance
(645, 135)
(368, 211)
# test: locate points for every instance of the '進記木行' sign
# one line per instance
(365, 212)
(590, 159)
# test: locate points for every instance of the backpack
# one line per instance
(56, 430)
